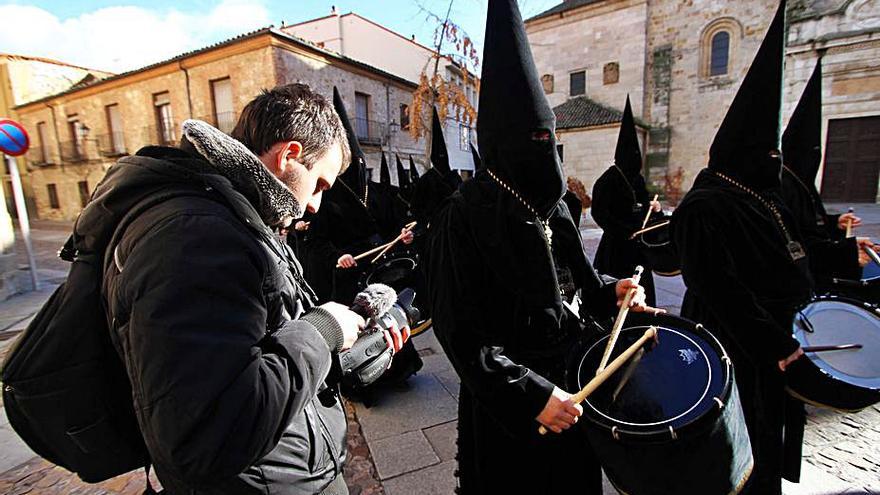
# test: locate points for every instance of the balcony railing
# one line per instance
(39, 157)
(165, 135)
(112, 144)
(73, 151)
(369, 131)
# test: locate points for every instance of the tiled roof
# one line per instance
(584, 112)
(562, 7)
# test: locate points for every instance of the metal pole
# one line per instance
(21, 208)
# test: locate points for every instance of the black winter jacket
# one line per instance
(217, 329)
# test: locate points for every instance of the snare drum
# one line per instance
(670, 420)
(659, 251)
(399, 270)
(846, 380)
(867, 288)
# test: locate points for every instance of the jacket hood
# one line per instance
(628, 154)
(750, 130)
(802, 140)
(516, 128)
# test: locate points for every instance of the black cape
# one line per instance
(498, 313)
(744, 286)
(619, 207)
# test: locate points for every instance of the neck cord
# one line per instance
(548, 233)
(366, 193)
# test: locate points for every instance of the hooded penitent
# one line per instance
(516, 126)
(746, 145)
(478, 163)
(802, 140)
(355, 177)
(413, 171)
(439, 155)
(628, 154)
(384, 172)
(403, 180)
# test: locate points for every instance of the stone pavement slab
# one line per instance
(443, 439)
(435, 480)
(13, 451)
(401, 454)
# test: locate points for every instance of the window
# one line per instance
(578, 83)
(83, 192)
(404, 116)
(115, 142)
(164, 120)
(547, 83)
(560, 151)
(718, 46)
(464, 137)
(75, 148)
(224, 115)
(53, 196)
(611, 73)
(362, 115)
(43, 136)
(719, 54)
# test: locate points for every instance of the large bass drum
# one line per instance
(867, 288)
(847, 380)
(670, 420)
(399, 270)
(656, 246)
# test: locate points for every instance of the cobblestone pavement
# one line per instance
(405, 442)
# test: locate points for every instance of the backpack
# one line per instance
(65, 388)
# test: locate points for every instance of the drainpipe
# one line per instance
(189, 101)
(388, 114)
(57, 136)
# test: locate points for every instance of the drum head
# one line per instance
(671, 383)
(834, 321)
(871, 272)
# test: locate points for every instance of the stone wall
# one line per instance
(589, 39)
(589, 152)
(684, 101)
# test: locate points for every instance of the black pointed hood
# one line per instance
(384, 172)
(628, 154)
(478, 162)
(355, 177)
(516, 126)
(413, 171)
(802, 140)
(403, 179)
(750, 130)
(439, 155)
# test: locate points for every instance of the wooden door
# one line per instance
(852, 160)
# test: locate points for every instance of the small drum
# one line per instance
(399, 270)
(670, 420)
(657, 248)
(847, 380)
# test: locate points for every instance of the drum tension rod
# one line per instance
(672, 432)
(720, 403)
(807, 325)
(614, 433)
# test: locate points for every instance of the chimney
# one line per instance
(333, 10)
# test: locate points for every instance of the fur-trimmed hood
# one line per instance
(272, 199)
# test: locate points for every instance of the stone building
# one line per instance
(362, 39)
(80, 132)
(682, 62)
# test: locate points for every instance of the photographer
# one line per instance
(225, 349)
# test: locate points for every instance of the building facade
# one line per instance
(79, 133)
(362, 39)
(682, 63)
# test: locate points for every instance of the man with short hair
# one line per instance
(224, 346)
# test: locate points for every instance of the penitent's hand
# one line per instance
(790, 359)
(346, 261)
(407, 236)
(560, 412)
(843, 219)
(637, 303)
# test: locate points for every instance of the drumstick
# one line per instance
(618, 323)
(652, 227)
(391, 244)
(824, 348)
(648, 215)
(598, 380)
(849, 222)
(371, 251)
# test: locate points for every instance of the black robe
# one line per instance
(743, 285)
(498, 315)
(831, 253)
(619, 207)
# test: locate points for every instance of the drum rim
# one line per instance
(710, 416)
(833, 373)
(365, 277)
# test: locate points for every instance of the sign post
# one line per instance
(14, 142)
